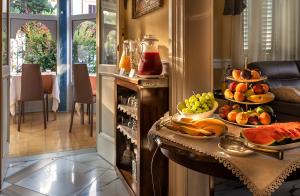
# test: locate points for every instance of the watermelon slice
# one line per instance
(258, 137)
(275, 134)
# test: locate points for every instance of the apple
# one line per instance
(223, 111)
(232, 86)
(258, 89)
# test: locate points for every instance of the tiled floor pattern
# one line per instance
(79, 174)
(34, 139)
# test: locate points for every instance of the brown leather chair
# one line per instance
(82, 93)
(31, 89)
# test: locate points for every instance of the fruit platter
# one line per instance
(248, 92)
(278, 136)
(198, 106)
(207, 128)
(193, 119)
(247, 87)
(250, 117)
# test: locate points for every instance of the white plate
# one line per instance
(235, 152)
(176, 118)
(241, 125)
(193, 137)
(278, 147)
(262, 78)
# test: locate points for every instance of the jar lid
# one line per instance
(150, 37)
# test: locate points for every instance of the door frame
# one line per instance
(4, 73)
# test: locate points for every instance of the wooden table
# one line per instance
(196, 161)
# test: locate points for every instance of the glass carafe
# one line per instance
(150, 63)
(125, 61)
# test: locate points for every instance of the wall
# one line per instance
(154, 23)
(222, 41)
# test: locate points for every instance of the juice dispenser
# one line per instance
(125, 61)
(150, 63)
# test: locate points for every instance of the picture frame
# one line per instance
(142, 7)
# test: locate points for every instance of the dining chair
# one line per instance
(31, 89)
(82, 93)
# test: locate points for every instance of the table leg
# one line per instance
(211, 186)
(82, 113)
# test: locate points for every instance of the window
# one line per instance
(266, 25)
(80, 7)
(84, 45)
(33, 44)
(41, 7)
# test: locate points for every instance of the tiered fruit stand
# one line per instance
(246, 103)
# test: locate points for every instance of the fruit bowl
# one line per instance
(197, 116)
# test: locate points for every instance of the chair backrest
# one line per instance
(82, 85)
(31, 83)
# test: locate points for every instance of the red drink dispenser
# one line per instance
(150, 63)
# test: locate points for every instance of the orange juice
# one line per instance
(125, 63)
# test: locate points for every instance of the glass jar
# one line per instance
(150, 63)
(125, 62)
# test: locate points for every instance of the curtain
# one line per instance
(284, 37)
(286, 30)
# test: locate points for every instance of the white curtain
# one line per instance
(285, 44)
(286, 30)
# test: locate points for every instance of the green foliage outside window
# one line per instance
(40, 48)
(33, 7)
(84, 45)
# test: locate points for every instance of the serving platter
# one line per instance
(177, 119)
(262, 78)
(248, 103)
(275, 147)
(241, 125)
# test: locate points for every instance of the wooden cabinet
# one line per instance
(139, 103)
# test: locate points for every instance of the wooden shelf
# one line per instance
(127, 132)
(127, 176)
(131, 111)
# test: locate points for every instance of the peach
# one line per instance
(241, 87)
(236, 74)
(255, 74)
(242, 118)
(238, 96)
(265, 87)
(231, 116)
(265, 118)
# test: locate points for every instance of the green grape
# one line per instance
(187, 105)
(191, 100)
(197, 103)
(199, 110)
(210, 94)
(207, 97)
(203, 94)
(186, 101)
(198, 95)
(194, 108)
(202, 100)
(185, 110)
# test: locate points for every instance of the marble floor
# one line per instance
(84, 174)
